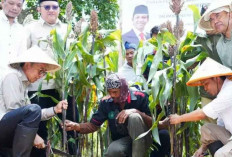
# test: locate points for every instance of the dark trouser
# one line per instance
(128, 146)
(46, 103)
(164, 149)
(18, 129)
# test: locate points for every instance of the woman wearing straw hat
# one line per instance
(213, 76)
(18, 120)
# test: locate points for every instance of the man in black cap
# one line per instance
(140, 19)
(38, 32)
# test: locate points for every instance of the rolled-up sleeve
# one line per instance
(47, 113)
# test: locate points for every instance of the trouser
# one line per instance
(162, 150)
(128, 146)
(18, 129)
(213, 132)
(46, 103)
(204, 102)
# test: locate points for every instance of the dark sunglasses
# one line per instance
(49, 7)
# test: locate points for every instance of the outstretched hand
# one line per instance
(174, 119)
(70, 125)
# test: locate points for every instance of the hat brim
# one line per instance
(205, 25)
(208, 69)
(197, 82)
(35, 55)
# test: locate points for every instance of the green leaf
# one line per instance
(157, 59)
(168, 37)
(48, 96)
(69, 29)
(69, 59)
(84, 53)
(112, 61)
(58, 44)
(196, 15)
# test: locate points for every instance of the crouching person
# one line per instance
(128, 115)
(216, 80)
(19, 121)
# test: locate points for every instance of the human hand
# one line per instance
(123, 115)
(70, 125)
(174, 119)
(61, 105)
(39, 142)
(163, 124)
(199, 152)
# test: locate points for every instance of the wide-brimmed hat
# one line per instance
(209, 68)
(215, 7)
(35, 55)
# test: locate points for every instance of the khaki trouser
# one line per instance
(204, 102)
(213, 132)
(128, 145)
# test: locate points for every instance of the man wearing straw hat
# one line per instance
(214, 77)
(37, 34)
(19, 120)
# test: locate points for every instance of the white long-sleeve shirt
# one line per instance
(13, 93)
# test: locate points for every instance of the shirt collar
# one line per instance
(3, 17)
(42, 22)
(138, 32)
(23, 77)
(130, 97)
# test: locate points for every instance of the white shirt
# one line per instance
(137, 32)
(128, 73)
(12, 40)
(37, 34)
(221, 106)
(13, 93)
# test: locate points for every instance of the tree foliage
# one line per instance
(107, 10)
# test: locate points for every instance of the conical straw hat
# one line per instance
(35, 55)
(215, 7)
(209, 68)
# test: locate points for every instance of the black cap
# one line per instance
(140, 9)
(40, 1)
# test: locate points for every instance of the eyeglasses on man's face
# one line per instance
(42, 72)
(49, 7)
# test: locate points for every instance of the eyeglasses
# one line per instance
(42, 72)
(49, 7)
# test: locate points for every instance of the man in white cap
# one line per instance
(19, 121)
(215, 79)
